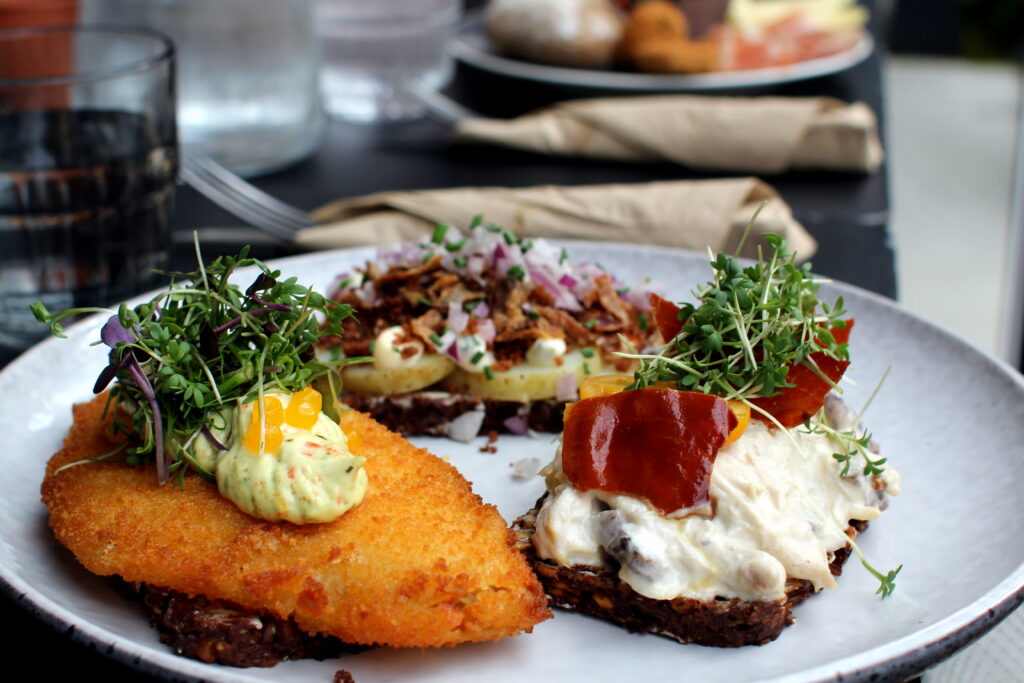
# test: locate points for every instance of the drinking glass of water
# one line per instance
(88, 163)
(248, 94)
(371, 47)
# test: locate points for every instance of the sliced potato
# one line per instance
(366, 379)
(526, 382)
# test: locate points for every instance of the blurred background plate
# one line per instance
(472, 47)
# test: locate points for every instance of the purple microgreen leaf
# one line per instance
(108, 373)
(113, 333)
(262, 283)
(158, 428)
(212, 439)
(208, 345)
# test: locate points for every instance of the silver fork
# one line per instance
(269, 214)
(243, 199)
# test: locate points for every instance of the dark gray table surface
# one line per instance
(846, 213)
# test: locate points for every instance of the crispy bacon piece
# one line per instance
(611, 300)
(666, 317)
(418, 297)
(427, 324)
(794, 405)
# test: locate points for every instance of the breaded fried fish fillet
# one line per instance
(420, 562)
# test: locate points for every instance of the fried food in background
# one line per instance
(660, 37)
(657, 40)
(422, 562)
(574, 33)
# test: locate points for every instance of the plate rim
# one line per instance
(623, 81)
(912, 652)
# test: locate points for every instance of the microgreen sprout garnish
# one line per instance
(203, 344)
(751, 325)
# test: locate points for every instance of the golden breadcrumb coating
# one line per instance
(421, 562)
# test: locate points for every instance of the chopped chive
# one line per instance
(488, 373)
(564, 257)
(526, 246)
(641, 320)
(622, 292)
(586, 368)
(477, 220)
(510, 239)
(532, 313)
(426, 257)
(590, 324)
(455, 246)
(476, 357)
(598, 264)
(460, 261)
(493, 228)
(424, 301)
(587, 353)
(439, 232)
(373, 345)
(434, 339)
(517, 272)
(470, 305)
(345, 283)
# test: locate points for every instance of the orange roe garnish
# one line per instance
(304, 409)
(272, 437)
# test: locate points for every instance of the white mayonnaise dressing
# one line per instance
(388, 353)
(545, 352)
(781, 509)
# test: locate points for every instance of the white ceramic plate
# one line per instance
(950, 418)
(472, 46)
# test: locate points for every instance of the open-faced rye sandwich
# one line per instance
(725, 481)
(257, 517)
(480, 330)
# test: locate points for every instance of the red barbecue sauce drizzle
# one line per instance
(658, 444)
(794, 405)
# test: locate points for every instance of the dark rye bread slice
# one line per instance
(722, 622)
(217, 631)
(428, 413)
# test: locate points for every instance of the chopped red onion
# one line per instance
(482, 310)
(485, 330)
(457, 317)
(545, 281)
(567, 281)
(565, 388)
(466, 426)
(516, 425)
(525, 468)
(499, 253)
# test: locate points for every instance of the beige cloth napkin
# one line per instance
(751, 134)
(689, 214)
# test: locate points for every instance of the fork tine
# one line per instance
(244, 187)
(256, 202)
(242, 199)
(240, 208)
(248, 205)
